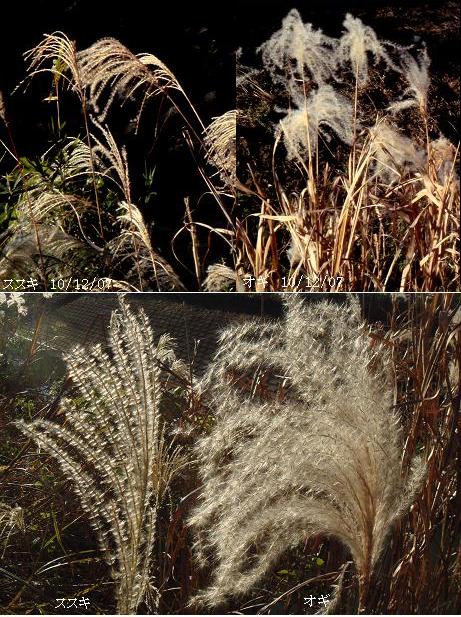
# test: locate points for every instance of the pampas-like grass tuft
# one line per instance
(297, 50)
(109, 67)
(324, 459)
(357, 42)
(353, 185)
(133, 247)
(302, 127)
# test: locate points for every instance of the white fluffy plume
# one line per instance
(324, 459)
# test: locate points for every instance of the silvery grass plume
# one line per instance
(298, 52)
(52, 205)
(110, 70)
(220, 143)
(355, 45)
(133, 248)
(325, 108)
(324, 460)
(416, 73)
(56, 54)
(20, 255)
(114, 448)
(11, 520)
(307, 64)
(2, 108)
(108, 66)
(393, 153)
(219, 277)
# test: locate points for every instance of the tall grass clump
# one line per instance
(113, 448)
(323, 459)
(355, 185)
(309, 429)
(423, 562)
(74, 211)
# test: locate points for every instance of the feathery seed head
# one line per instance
(443, 157)
(220, 142)
(356, 42)
(219, 278)
(2, 108)
(324, 108)
(393, 152)
(134, 245)
(108, 66)
(113, 449)
(56, 54)
(416, 72)
(297, 51)
(326, 459)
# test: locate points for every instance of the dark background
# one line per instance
(437, 18)
(197, 39)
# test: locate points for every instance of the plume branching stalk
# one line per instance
(114, 447)
(220, 142)
(109, 67)
(135, 238)
(323, 458)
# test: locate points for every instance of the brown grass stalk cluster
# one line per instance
(359, 189)
(424, 559)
